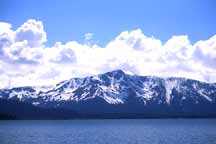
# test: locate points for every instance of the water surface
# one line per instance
(123, 131)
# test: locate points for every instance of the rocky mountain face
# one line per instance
(117, 94)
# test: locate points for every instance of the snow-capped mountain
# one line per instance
(118, 92)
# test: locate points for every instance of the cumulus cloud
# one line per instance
(6, 35)
(32, 31)
(25, 59)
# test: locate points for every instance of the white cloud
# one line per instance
(25, 60)
(33, 32)
(6, 35)
(88, 36)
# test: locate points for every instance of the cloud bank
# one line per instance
(26, 60)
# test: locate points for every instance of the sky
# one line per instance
(70, 19)
(45, 42)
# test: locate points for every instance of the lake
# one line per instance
(122, 131)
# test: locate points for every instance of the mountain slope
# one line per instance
(117, 93)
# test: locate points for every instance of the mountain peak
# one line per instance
(115, 74)
(118, 71)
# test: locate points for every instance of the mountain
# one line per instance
(13, 109)
(119, 95)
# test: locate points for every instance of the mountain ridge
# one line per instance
(118, 93)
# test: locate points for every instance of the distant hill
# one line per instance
(113, 94)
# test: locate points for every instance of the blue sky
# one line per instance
(70, 20)
(42, 42)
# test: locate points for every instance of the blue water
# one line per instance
(146, 131)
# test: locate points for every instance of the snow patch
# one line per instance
(170, 85)
(201, 92)
(148, 92)
(205, 96)
(35, 103)
(111, 100)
